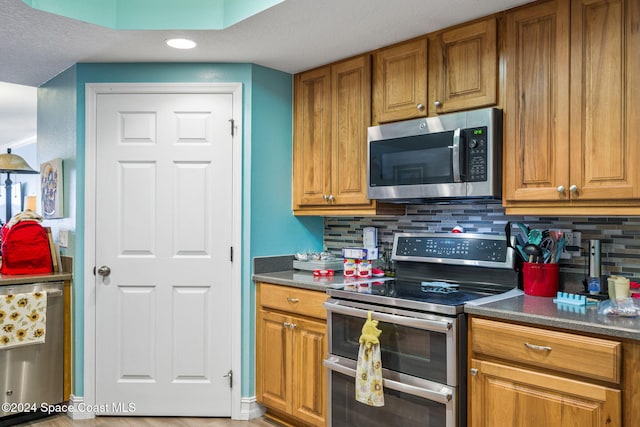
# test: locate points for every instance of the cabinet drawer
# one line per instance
(293, 300)
(586, 356)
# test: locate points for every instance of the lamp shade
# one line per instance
(12, 163)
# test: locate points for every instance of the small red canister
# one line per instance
(540, 279)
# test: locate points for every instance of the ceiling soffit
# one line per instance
(156, 14)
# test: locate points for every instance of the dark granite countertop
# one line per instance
(536, 311)
(542, 311)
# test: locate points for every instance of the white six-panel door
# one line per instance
(163, 228)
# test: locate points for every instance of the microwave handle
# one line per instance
(455, 155)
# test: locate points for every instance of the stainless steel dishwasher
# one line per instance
(32, 375)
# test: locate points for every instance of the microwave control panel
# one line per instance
(476, 150)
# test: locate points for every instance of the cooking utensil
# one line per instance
(533, 251)
(534, 237)
(559, 247)
(520, 242)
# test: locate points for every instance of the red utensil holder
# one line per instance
(540, 279)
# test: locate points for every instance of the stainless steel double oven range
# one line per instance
(424, 329)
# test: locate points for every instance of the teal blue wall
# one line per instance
(268, 226)
(273, 229)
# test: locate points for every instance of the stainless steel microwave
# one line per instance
(451, 157)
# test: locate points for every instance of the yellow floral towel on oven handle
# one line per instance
(369, 366)
(22, 319)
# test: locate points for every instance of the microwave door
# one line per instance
(419, 166)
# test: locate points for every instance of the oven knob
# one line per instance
(473, 143)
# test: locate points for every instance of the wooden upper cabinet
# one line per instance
(351, 108)
(400, 82)
(571, 110)
(605, 87)
(463, 67)
(312, 137)
(536, 148)
(332, 111)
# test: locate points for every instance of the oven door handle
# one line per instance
(443, 396)
(430, 325)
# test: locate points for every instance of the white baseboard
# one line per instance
(250, 409)
(77, 409)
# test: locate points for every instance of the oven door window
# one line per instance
(413, 160)
(417, 352)
(400, 409)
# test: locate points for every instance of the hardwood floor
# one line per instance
(64, 421)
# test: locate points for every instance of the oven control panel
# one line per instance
(453, 248)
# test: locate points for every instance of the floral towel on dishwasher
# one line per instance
(369, 366)
(23, 319)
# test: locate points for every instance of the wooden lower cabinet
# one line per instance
(290, 347)
(527, 376)
(503, 395)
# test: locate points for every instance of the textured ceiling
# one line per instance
(292, 36)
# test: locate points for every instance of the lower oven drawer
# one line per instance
(408, 401)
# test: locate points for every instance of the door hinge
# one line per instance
(230, 376)
(231, 254)
(233, 125)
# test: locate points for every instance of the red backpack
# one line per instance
(25, 249)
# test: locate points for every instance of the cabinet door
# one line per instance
(501, 395)
(309, 377)
(351, 102)
(536, 143)
(605, 73)
(312, 137)
(273, 361)
(400, 82)
(463, 67)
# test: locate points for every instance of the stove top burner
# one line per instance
(438, 287)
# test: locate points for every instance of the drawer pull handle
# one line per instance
(293, 300)
(537, 347)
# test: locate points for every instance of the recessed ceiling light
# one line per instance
(181, 43)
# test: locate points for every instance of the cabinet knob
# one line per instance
(325, 197)
(573, 188)
(560, 188)
(420, 106)
(473, 371)
(331, 198)
(437, 104)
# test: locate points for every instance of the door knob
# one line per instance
(104, 271)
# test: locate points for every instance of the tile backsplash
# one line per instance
(619, 236)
